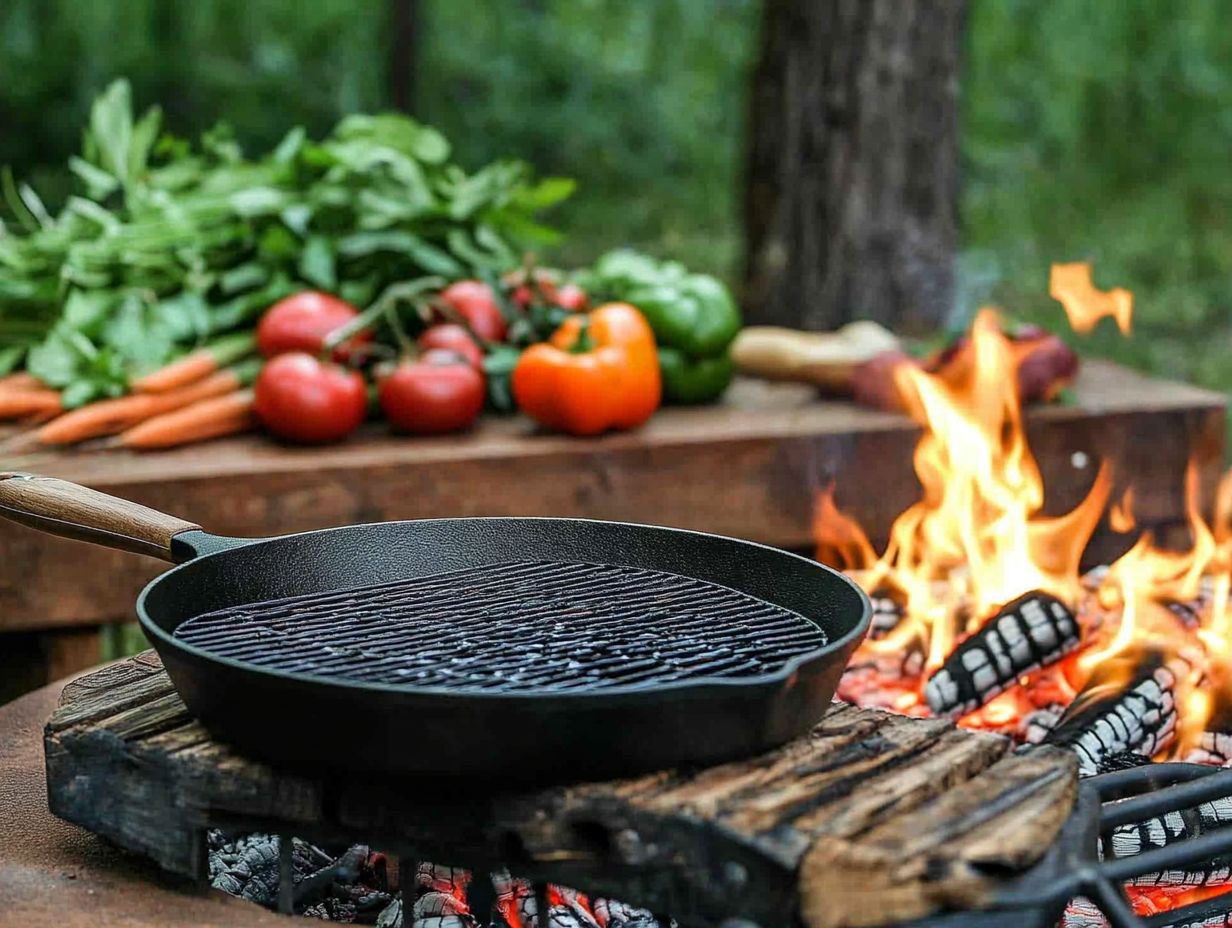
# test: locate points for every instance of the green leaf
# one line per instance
(296, 217)
(80, 392)
(316, 263)
(548, 192)
(243, 277)
(144, 135)
(54, 361)
(258, 201)
(84, 310)
(185, 317)
(99, 183)
(111, 129)
(9, 358)
(290, 146)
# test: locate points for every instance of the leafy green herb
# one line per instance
(169, 244)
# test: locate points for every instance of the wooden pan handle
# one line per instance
(72, 511)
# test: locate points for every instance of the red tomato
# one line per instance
(572, 297)
(452, 337)
(476, 303)
(302, 321)
(303, 399)
(438, 392)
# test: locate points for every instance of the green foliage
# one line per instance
(1102, 131)
(1090, 129)
(174, 243)
(644, 101)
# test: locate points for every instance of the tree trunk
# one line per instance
(851, 197)
(403, 22)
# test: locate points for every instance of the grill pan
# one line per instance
(434, 647)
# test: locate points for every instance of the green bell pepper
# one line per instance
(693, 317)
(695, 314)
(694, 380)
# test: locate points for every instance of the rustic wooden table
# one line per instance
(749, 467)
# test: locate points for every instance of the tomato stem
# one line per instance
(583, 343)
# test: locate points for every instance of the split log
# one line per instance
(859, 883)
(1031, 632)
(743, 839)
(1129, 704)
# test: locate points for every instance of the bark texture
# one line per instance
(851, 196)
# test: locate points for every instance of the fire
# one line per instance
(976, 541)
(1084, 303)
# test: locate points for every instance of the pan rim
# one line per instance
(688, 688)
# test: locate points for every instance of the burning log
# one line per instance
(1129, 704)
(1213, 748)
(1034, 630)
(1035, 726)
(886, 615)
(440, 897)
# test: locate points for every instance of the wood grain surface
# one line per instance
(69, 510)
(869, 819)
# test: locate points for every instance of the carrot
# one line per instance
(19, 381)
(196, 365)
(109, 417)
(34, 401)
(212, 418)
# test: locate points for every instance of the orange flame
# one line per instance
(1085, 304)
(1121, 515)
(976, 539)
(840, 540)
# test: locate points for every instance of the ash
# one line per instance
(355, 885)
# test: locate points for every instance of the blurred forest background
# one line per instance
(1090, 130)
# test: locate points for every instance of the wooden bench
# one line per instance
(750, 467)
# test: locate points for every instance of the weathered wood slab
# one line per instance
(749, 468)
(912, 810)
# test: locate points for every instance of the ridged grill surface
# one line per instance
(525, 626)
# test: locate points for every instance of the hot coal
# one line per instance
(1031, 632)
(526, 626)
(1129, 704)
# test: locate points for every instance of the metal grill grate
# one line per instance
(517, 627)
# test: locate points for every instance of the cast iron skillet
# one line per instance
(305, 721)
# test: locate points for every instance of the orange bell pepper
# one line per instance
(597, 372)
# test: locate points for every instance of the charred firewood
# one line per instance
(1127, 705)
(612, 914)
(345, 870)
(1126, 760)
(391, 915)
(248, 866)
(1035, 726)
(1213, 748)
(440, 897)
(1163, 830)
(1083, 913)
(887, 613)
(1031, 632)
